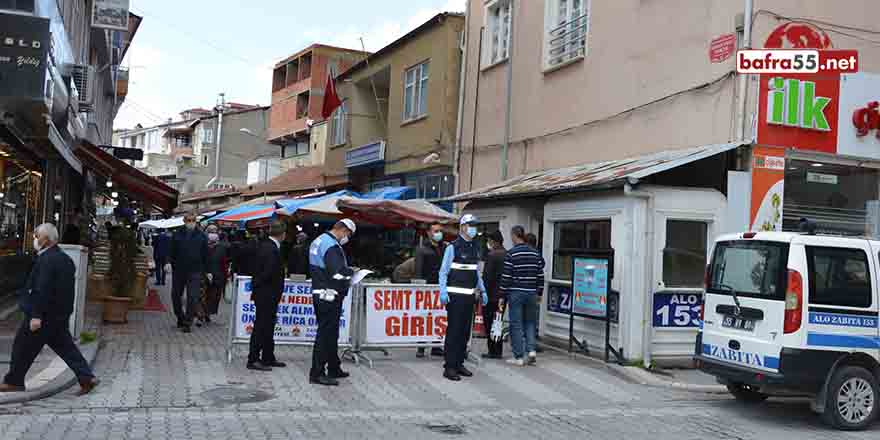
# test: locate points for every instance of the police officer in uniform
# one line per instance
(331, 277)
(460, 282)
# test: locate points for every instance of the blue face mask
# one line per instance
(472, 231)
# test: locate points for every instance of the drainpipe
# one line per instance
(649, 265)
(506, 149)
(742, 93)
(462, 89)
(221, 107)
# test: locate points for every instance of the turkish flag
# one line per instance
(331, 99)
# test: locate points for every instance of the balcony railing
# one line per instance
(567, 41)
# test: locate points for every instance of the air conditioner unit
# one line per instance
(84, 79)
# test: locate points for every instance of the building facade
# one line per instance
(398, 120)
(298, 96)
(61, 86)
(597, 138)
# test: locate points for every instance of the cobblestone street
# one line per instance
(159, 383)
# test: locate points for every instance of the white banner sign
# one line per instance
(404, 314)
(110, 14)
(296, 316)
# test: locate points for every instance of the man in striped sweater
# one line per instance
(522, 281)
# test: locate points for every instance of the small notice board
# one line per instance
(590, 295)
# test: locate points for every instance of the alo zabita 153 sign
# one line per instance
(110, 14)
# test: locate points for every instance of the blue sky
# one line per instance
(188, 51)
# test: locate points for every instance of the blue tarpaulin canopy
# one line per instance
(392, 193)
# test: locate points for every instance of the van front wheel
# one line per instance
(746, 393)
(852, 399)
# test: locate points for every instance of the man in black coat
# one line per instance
(268, 286)
(47, 303)
(298, 259)
(492, 277)
(189, 258)
(429, 256)
(161, 248)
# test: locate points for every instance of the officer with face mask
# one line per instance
(331, 277)
(460, 283)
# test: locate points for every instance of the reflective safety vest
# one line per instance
(462, 278)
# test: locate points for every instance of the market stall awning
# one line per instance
(395, 213)
(129, 178)
(167, 223)
(392, 193)
(599, 175)
(241, 216)
(324, 205)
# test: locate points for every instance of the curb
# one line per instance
(58, 384)
(641, 376)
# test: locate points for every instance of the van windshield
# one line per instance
(750, 268)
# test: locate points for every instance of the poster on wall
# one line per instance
(297, 322)
(110, 14)
(768, 188)
(590, 287)
(677, 309)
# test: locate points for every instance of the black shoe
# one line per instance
(451, 375)
(462, 371)
(338, 374)
(187, 329)
(258, 366)
(490, 356)
(274, 364)
(323, 380)
(421, 353)
(181, 324)
(437, 351)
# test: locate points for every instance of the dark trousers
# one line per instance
(160, 271)
(325, 354)
(460, 314)
(192, 283)
(27, 345)
(263, 335)
(495, 347)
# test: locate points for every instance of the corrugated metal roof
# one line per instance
(594, 175)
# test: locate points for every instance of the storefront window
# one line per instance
(684, 256)
(577, 237)
(21, 184)
(833, 196)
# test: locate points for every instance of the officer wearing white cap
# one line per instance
(460, 282)
(331, 277)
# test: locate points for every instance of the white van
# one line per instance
(795, 314)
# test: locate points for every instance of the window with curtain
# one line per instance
(340, 130)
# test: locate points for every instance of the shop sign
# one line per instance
(110, 14)
(365, 155)
(677, 309)
(828, 179)
(859, 117)
(794, 103)
(722, 47)
(24, 46)
(799, 111)
(768, 188)
(559, 299)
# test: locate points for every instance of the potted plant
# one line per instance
(123, 273)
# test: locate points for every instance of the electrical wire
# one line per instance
(706, 85)
(825, 26)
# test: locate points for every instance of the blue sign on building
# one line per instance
(365, 154)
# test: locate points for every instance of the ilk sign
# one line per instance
(836, 114)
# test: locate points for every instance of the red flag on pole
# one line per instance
(331, 99)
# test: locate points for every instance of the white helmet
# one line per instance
(349, 224)
(468, 219)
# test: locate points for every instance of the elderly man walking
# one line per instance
(47, 303)
(189, 259)
(522, 281)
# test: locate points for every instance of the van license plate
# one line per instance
(738, 323)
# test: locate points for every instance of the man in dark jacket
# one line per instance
(189, 255)
(268, 286)
(298, 259)
(492, 277)
(429, 256)
(331, 277)
(47, 303)
(161, 249)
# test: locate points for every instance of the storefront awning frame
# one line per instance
(593, 176)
